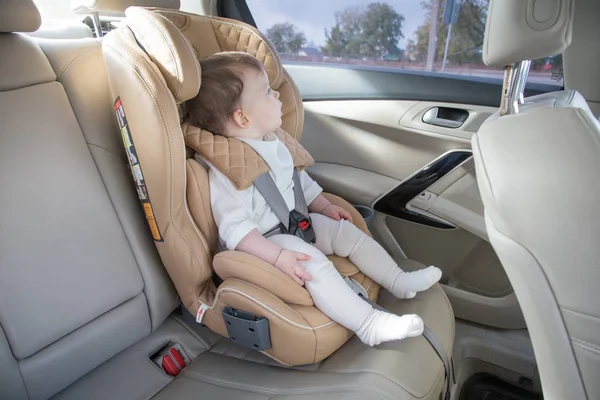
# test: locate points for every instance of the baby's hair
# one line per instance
(220, 89)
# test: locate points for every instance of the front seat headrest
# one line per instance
(518, 30)
(168, 49)
(19, 16)
(117, 7)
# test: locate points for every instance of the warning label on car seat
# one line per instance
(136, 170)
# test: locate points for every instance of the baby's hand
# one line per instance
(288, 263)
(336, 212)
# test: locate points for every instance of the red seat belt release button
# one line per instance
(169, 365)
(176, 355)
(304, 225)
(172, 361)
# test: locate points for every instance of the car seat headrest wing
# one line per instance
(209, 35)
(168, 49)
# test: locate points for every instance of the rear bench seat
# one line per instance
(80, 278)
(84, 299)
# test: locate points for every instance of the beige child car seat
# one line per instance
(153, 67)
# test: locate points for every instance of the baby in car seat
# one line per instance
(236, 101)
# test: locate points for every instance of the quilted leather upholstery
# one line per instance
(235, 159)
(236, 37)
(209, 35)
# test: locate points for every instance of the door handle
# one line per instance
(446, 117)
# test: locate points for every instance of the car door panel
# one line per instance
(366, 134)
(348, 182)
(455, 198)
(476, 115)
(365, 149)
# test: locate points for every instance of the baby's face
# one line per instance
(260, 103)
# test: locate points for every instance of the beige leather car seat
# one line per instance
(537, 168)
(152, 65)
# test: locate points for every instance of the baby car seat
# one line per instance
(152, 62)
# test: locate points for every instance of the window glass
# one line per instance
(407, 34)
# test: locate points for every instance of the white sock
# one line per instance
(383, 327)
(407, 284)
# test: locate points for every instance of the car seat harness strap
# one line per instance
(296, 222)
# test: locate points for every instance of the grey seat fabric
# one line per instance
(84, 298)
(81, 280)
(537, 171)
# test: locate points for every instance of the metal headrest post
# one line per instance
(97, 25)
(515, 78)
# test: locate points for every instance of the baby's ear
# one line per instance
(240, 118)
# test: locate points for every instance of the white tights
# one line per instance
(335, 298)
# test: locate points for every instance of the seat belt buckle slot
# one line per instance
(246, 329)
(171, 359)
(301, 226)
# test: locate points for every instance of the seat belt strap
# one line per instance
(427, 333)
(433, 341)
(268, 189)
(301, 205)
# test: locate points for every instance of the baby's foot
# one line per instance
(407, 284)
(383, 327)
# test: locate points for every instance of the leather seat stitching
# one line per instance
(587, 349)
(582, 342)
(105, 149)
(270, 271)
(266, 307)
(199, 377)
(70, 64)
